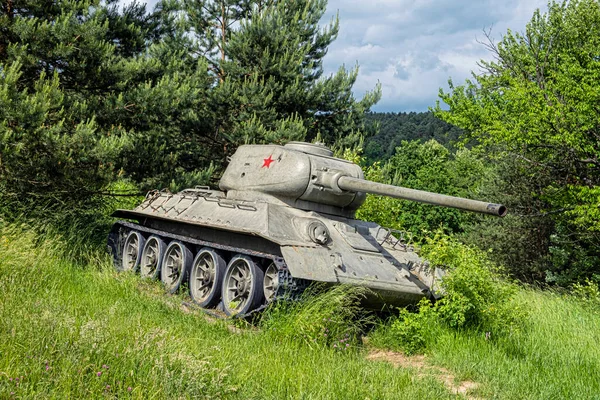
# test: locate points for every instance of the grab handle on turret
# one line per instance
(360, 185)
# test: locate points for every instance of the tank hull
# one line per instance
(351, 252)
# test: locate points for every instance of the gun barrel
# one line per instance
(361, 185)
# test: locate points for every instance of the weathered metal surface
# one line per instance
(358, 185)
(295, 205)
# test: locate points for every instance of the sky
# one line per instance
(412, 47)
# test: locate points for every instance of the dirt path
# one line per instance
(419, 363)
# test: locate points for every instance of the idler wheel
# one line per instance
(175, 265)
(206, 277)
(152, 256)
(132, 251)
(242, 286)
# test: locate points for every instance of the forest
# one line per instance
(386, 131)
(101, 102)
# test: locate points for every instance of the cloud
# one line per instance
(413, 47)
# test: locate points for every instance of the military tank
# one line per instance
(284, 217)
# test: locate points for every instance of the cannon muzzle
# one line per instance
(360, 185)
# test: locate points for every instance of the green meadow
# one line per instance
(79, 329)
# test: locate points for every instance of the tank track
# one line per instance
(289, 288)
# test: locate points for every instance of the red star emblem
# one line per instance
(267, 162)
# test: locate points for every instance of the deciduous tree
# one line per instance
(538, 102)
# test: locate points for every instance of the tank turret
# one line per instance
(306, 176)
(284, 218)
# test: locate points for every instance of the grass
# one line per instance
(555, 355)
(74, 329)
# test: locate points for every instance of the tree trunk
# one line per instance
(4, 41)
(223, 39)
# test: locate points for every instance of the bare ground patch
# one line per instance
(419, 362)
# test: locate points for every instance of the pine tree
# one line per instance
(91, 92)
(266, 57)
(88, 93)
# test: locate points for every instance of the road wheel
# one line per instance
(271, 282)
(242, 286)
(132, 251)
(175, 265)
(152, 257)
(206, 277)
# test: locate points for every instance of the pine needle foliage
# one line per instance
(92, 92)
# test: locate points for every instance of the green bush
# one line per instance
(409, 331)
(588, 292)
(477, 294)
(476, 297)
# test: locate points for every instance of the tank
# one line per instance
(284, 217)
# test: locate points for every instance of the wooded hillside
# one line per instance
(388, 130)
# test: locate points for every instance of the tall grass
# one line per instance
(73, 332)
(323, 317)
(69, 331)
(556, 354)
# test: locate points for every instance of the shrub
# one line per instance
(409, 331)
(477, 296)
(588, 292)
